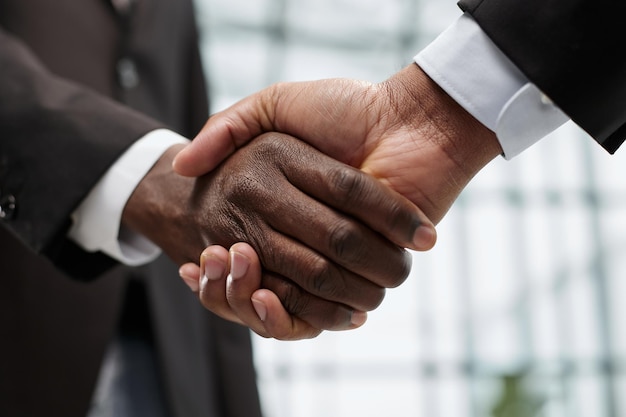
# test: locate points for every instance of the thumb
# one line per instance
(222, 134)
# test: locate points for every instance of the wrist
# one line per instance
(158, 206)
(466, 142)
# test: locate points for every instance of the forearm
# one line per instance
(58, 138)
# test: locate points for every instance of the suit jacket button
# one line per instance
(8, 206)
(127, 73)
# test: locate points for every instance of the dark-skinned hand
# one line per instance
(329, 236)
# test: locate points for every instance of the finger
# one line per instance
(366, 198)
(243, 282)
(279, 324)
(190, 274)
(266, 304)
(245, 278)
(212, 289)
(340, 237)
(317, 275)
(319, 313)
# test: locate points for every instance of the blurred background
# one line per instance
(517, 311)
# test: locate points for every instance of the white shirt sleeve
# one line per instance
(97, 221)
(474, 72)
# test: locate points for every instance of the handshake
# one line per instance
(327, 183)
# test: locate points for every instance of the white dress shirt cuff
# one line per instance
(474, 72)
(97, 221)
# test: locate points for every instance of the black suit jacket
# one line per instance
(64, 119)
(572, 50)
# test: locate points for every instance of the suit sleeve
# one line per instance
(56, 139)
(570, 49)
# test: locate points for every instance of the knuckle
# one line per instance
(272, 146)
(335, 284)
(230, 225)
(347, 184)
(244, 188)
(246, 178)
(294, 300)
(323, 280)
(344, 241)
(323, 315)
(326, 280)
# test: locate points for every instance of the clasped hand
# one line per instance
(329, 236)
(406, 132)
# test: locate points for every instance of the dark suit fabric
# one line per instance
(64, 119)
(572, 50)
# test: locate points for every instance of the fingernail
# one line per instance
(260, 309)
(239, 265)
(358, 318)
(424, 237)
(191, 282)
(213, 268)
